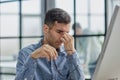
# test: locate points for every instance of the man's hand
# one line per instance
(68, 43)
(46, 51)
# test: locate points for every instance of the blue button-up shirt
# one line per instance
(65, 67)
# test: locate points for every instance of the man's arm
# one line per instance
(25, 66)
(27, 59)
(76, 70)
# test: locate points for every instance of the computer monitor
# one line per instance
(108, 66)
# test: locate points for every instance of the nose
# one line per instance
(61, 35)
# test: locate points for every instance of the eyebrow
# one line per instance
(62, 31)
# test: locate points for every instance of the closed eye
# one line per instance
(61, 32)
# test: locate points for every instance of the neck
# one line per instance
(44, 41)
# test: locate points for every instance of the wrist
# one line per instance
(70, 51)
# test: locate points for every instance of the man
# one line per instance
(54, 57)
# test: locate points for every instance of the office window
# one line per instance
(31, 26)
(9, 19)
(9, 28)
(11, 7)
(19, 21)
(97, 7)
(31, 20)
(90, 14)
(9, 47)
(20, 26)
(97, 24)
(32, 7)
(9, 25)
(82, 20)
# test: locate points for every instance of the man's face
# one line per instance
(53, 36)
(78, 31)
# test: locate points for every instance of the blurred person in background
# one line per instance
(88, 48)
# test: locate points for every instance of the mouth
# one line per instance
(58, 43)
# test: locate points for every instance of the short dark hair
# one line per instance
(76, 25)
(56, 14)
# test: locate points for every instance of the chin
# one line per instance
(57, 46)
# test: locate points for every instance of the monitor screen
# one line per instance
(108, 66)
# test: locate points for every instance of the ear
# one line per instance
(45, 28)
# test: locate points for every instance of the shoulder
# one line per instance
(28, 49)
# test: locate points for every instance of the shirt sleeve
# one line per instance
(25, 66)
(76, 70)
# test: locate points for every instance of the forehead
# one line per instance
(63, 27)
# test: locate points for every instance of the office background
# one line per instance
(21, 24)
